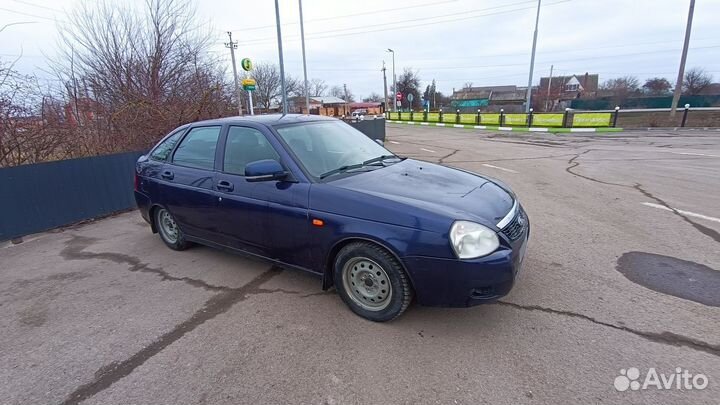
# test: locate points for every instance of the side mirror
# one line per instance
(264, 170)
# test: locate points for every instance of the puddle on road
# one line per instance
(669, 275)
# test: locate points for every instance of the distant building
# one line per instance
(371, 108)
(510, 98)
(564, 89)
(320, 105)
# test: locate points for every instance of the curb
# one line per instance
(510, 129)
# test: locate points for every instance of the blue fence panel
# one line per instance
(42, 196)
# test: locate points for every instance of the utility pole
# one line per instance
(532, 60)
(683, 58)
(302, 41)
(280, 53)
(385, 86)
(548, 101)
(395, 90)
(233, 45)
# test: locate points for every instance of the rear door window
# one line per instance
(197, 149)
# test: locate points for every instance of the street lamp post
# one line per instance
(394, 81)
(302, 40)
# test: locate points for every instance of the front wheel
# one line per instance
(372, 282)
(169, 232)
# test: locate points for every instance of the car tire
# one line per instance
(169, 232)
(372, 282)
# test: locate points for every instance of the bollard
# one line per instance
(565, 118)
(477, 119)
(457, 116)
(501, 121)
(687, 108)
(411, 115)
(615, 117)
(530, 118)
(425, 114)
(440, 112)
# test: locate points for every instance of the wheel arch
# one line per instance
(151, 214)
(328, 277)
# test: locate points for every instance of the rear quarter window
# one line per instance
(162, 151)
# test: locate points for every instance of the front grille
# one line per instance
(517, 226)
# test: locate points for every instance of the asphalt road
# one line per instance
(622, 271)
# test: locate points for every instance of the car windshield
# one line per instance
(332, 147)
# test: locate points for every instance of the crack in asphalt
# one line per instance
(715, 235)
(667, 338)
(111, 373)
(218, 304)
(75, 250)
(573, 164)
(449, 155)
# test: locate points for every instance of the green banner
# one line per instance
(433, 117)
(489, 119)
(418, 116)
(591, 120)
(515, 119)
(547, 120)
(449, 117)
(394, 116)
(468, 118)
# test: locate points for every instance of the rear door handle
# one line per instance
(167, 174)
(225, 185)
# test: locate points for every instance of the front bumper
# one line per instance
(443, 282)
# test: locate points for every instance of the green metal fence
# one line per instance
(556, 120)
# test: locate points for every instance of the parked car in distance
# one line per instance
(358, 113)
(313, 193)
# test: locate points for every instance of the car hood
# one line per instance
(452, 193)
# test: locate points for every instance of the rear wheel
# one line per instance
(372, 282)
(169, 232)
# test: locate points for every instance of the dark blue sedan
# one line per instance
(313, 193)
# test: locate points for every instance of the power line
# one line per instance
(30, 15)
(405, 8)
(27, 3)
(393, 25)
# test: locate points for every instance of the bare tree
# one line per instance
(317, 87)
(373, 98)
(657, 86)
(132, 74)
(467, 86)
(696, 80)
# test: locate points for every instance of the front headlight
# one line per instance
(471, 240)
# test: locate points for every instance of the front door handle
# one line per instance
(167, 174)
(225, 185)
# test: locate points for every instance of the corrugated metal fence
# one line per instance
(42, 196)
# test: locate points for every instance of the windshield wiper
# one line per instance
(369, 162)
(341, 169)
(381, 159)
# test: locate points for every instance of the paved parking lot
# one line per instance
(622, 271)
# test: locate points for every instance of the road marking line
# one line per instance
(459, 126)
(537, 129)
(396, 143)
(693, 154)
(686, 213)
(439, 125)
(480, 127)
(500, 168)
(505, 128)
(423, 123)
(582, 130)
(428, 150)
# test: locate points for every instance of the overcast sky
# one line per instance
(453, 41)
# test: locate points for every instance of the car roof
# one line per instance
(269, 119)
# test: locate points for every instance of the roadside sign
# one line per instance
(398, 96)
(246, 64)
(410, 97)
(248, 84)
